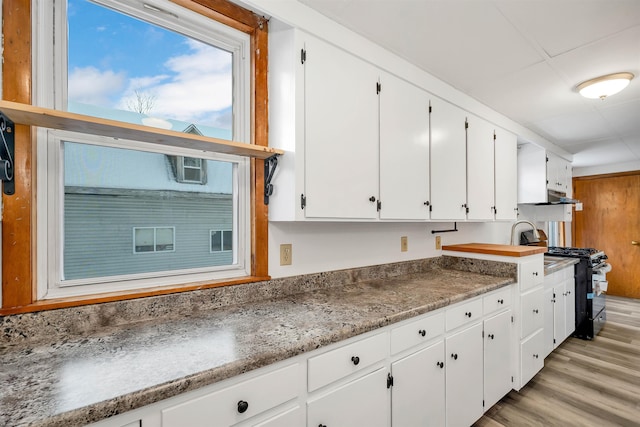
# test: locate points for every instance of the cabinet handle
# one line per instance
(490, 336)
(243, 406)
(321, 425)
(372, 199)
(535, 273)
(535, 356)
(468, 314)
(455, 356)
(568, 292)
(355, 360)
(535, 310)
(501, 301)
(427, 203)
(422, 332)
(440, 364)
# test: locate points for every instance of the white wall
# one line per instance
(604, 169)
(318, 247)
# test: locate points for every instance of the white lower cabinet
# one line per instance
(288, 418)
(418, 394)
(560, 304)
(238, 402)
(464, 376)
(497, 358)
(361, 402)
(531, 356)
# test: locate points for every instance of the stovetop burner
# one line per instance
(575, 252)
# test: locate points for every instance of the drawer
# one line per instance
(225, 407)
(497, 300)
(531, 273)
(343, 361)
(532, 312)
(531, 357)
(463, 313)
(417, 332)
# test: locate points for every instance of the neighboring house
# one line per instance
(176, 213)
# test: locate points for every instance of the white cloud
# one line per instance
(89, 85)
(201, 85)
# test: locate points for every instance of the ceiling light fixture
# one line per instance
(604, 86)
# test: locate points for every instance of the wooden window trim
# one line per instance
(19, 216)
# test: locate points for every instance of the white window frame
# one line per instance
(181, 168)
(51, 92)
(222, 250)
(155, 241)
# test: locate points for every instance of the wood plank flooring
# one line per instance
(583, 383)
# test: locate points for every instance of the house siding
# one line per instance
(98, 233)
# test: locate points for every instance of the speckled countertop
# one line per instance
(558, 263)
(82, 378)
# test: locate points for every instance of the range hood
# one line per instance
(558, 198)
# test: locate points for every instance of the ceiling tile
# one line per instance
(561, 26)
(595, 154)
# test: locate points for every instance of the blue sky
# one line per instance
(112, 55)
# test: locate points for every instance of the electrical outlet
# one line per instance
(404, 244)
(438, 242)
(285, 254)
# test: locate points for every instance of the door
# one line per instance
(448, 161)
(362, 402)
(464, 377)
(497, 358)
(341, 133)
(610, 221)
(506, 175)
(417, 396)
(480, 169)
(404, 150)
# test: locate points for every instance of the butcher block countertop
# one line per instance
(55, 375)
(494, 249)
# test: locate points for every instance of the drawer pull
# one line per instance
(441, 364)
(355, 360)
(422, 332)
(535, 310)
(321, 425)
(500, 301)
(490, 336)
(454, 356)
(243, 406)
(468, 314)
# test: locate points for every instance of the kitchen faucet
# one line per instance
(523, 221)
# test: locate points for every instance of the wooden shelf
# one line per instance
(493, 249)
(43, 117)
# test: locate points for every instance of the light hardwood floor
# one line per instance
(583, 383)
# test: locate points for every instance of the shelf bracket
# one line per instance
(270, 165)
(7, 154)
(455, 228)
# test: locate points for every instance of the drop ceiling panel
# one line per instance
(624, 118)
(595, 154)
(575, 128)
(561, 26)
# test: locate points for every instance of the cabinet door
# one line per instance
(362, 402)
(559, 317)
(549, 302)
(497, 358)
(506, 175)
(570, 305)
(341, 133)
(448, 161)
(404, 150)
(417, 396)
(464, 372)
(531, 357)
(553, 168)
(532, 315)
(292, 417)
(480, 169)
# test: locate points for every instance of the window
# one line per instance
(221, 240)
(164, 67)
(153, 239)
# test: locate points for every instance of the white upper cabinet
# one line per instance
(506, 173)
(341, 133)
(558, 174)
(480, 169)
(540, 171)
(448, 161)
(404, 150)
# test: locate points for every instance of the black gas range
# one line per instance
(591, 311)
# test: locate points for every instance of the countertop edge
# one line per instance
(495, 249)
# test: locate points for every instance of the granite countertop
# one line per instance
(558, 263)
(88, 377)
